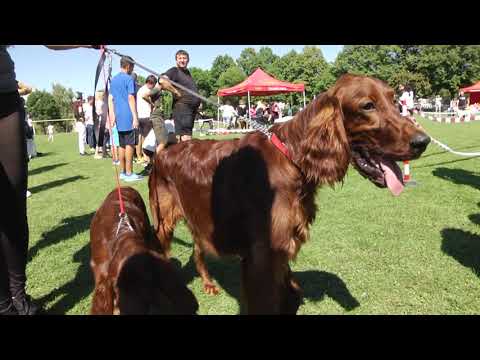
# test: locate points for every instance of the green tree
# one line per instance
(427, 68)
(203, 80)
(167, 99)
(63, 99)
(230, 77)
(308, 67)
(265, 59)
(219, 66)
(206, 87)
(448, 66)
(372, 60)
(42, 106)
(248, 61)
(316, 73)
(141, 80)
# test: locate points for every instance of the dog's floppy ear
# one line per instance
(325, 149)
(169, 283)
(134, 284)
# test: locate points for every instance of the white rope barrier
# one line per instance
(445, 147)
(442, 145)
(53, 120)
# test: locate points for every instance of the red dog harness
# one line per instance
(280, 145)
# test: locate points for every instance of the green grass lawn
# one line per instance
(369, 253)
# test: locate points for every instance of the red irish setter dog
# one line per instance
(131, 275)
(244, 197)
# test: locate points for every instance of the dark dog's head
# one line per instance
(378, 135)
(150, 284)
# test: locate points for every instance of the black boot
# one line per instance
(7, 308)
(24, 305)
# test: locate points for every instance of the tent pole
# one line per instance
(248, 94)
(304, 103)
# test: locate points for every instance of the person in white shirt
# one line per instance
(403, 101)
(438, 103)
(87, 110)
(80, 123)
(50, 132)
(144, 110)
(99, 108)
(228, 113)
(31, 146)
(410, 102)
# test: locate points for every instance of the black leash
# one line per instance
(101, 131)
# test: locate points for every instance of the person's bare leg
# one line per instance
(121, 157)
(115, 153)
(97, 155)
(138, 148)
(129, 159)
(159, 148)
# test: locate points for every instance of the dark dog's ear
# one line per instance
(325, 149)
(135, 283)
(171, 285)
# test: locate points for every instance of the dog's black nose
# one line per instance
(420, 141)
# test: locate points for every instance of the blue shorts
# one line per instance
(115, 140)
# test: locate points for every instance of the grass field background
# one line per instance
(369, 253)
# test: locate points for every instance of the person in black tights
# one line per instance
(13, 187)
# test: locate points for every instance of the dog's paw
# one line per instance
(210, 289)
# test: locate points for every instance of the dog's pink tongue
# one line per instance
(393, 177)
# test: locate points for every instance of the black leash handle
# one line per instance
(101, 131)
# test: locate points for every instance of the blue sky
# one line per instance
(40, 67)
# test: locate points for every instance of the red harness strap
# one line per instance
(280, 145)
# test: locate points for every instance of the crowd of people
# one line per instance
(135, 127)
(459, 105)
(265, 113)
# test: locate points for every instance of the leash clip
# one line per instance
(123, 218)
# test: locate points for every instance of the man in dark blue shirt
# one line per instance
(123, 112)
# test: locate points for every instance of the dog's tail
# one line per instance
(163, 204)
(102, 303)
(153, 196)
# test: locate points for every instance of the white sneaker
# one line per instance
(132, 177)
(29, 194)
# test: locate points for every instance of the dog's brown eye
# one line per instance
(368, 106)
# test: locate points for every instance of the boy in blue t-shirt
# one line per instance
(123, 112)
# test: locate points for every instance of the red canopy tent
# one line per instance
(474, 91)
(260, 84)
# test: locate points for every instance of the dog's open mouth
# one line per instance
(380, 170)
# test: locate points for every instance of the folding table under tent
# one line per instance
(261, 84)
(474, 91)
